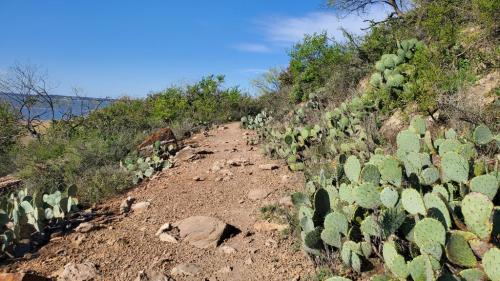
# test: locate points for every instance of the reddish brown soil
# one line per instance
(128, 245)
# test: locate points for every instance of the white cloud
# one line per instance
(254, 70)
(284, 30)
(252, 48)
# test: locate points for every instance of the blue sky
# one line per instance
(114, 48)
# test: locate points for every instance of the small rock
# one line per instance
(78, 240)
(165, 237)
(21, 277)
(257, 194)
(165, 227)
(226, 269)
(140, 206)
(84, 227)
(79, 272)
(217, 166)
(271, 243)
(268, 167)
(249, 261)
(185, 269)
(241, 201)
(126, 204)
(199, 178)
(150, 275)
(227, 250)
(286, 201)
(269, 226)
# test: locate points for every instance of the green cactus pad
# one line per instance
(490, 264)
(305, 218)
(367, 196)
(437, 209)
(366, 249)
(391, 171)
(439, 189)
(429, 175)
(299, 166)
(408, 141)
(459, 252)
(371, 174)
(477, 210)
(389, 197)
(352, 168)
(299, 199)
(337, 221)
(346, 193)
(450, 134)
(370, 226)
(485, 184)
(331, 237)
(417, 124)
(312, 239)
(455, 167)
(482, 135)
(429, 235)
(472, 274)
(412, 201)
(394, 261)
(449, 145)
(412, 162)
(421, 269)
(391, 220)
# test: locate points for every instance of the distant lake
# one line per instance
(62, 105)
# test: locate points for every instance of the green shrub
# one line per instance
(102, 182)
(10, 131)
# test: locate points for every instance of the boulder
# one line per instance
(140, 206)
(126, 204)
(79, 272)
(165, 237)
(165, 227)
(164, 136)
(201, 232)
(85, 227)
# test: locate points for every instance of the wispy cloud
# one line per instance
(252, 48)
(288, 29)
(254, 70)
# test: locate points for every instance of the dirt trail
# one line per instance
(128, 245)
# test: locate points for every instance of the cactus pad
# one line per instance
(389, 197)
(417, 124)
(391, 171)
(459, 252)
(485, 184)
(421, 269)
(482, 135)
(437, 209)
(490, 264)
(408, 141)
(472, 274)
(367, 196)
(371, 174)
(429, 235)
(370, 226)
(346, 193)
(394, 261)
(477, 210)
(429, 175)
(412, 201)
(455, 167)
(352, 168)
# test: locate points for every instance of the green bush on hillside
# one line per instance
(10, 131)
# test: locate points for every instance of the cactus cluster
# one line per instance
(146, 167)
(255, 122)
(421, 208)
(22, 214)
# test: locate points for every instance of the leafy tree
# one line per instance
(10, 131)
(357, 6)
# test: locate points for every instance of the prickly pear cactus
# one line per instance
(477, 210)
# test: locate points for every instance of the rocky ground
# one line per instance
(200, 220)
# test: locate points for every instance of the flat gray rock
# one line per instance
(185, 269)
(79, 272)
(201, 232)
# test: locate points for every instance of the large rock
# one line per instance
(79, 272)
(392, 126)
(140, 206)
(21, 277)
(201, 232)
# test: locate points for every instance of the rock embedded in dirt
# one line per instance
(258, 194)
(227, 250)
(165, 237)
(140, 206)
(79, 272)
(85, 227)
(165, 227)
(265, 226)
(201, 231)
(249, 261)
(22, 277)
(126, 204)
(226, 269)
(150, 275)
(199, 178)
(268, 167)
(186, 269)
